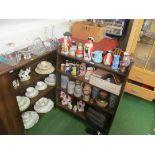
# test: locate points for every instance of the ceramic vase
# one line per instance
(115, 63)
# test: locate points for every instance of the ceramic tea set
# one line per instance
(43, 105)
(44, 67)
(30, 118)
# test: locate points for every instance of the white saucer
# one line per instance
(43, 108)
(31, 120)
(41, 88)
(49, 83)
(35, 93)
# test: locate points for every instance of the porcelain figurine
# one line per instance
(73, 49)
(115, 63)
(75, 108)
(65, 47)
(66, 99)
(97, 56)
(67, 37)
(24, 75)
(79, 52)
(66, 43)
(70, 106)
(90, 71)
(126, 59)
(108, 59)
(80, 106)
(88, 49)
(83, 69)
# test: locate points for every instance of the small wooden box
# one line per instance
(83, 30)
(105, 85)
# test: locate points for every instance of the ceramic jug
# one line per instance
(88, 49)
(64, 81)
(97, 56)
(78, 90)
(115, 63)
(70, 87)
(108, 58)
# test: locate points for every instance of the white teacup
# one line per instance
(40, 84)
(30, 90)
(51, 78)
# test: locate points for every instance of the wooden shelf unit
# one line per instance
(109, 112)
(10, 116)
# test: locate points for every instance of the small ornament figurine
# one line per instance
(80, 106)
(115, 63)
(24, 75)
(108, 58)
(88, 49)
(83, 69)
(66, 43)
(126, 59)
(79, 52)
(73, 49)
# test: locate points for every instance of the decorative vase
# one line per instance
(115, 63)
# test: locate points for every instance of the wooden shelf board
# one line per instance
(107, 109)
(80, 78)
(98, 65)
(78, 114)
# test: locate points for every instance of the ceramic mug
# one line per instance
(71, 86)
(52, 78)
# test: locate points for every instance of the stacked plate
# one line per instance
(44, 67)
(30, 118)
(23, 102)
(43, 105)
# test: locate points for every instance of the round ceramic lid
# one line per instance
(32, 95)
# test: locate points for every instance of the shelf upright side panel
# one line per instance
(10, 118)
(58, 75)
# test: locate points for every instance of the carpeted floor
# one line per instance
(134, 116)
